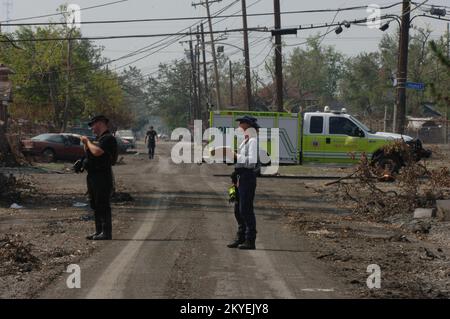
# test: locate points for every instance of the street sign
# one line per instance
(415, 86)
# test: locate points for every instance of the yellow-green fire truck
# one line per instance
(322, 137)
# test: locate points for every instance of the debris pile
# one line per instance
(415, 185)
(16, 256)
(121, 197)
(11, 150)
(8, 188)
(12, 189)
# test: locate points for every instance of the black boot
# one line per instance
(236, 243)
(102, 236)
(98, 230)
(105, 234)
(248, 245)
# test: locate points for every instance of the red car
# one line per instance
(52, 147)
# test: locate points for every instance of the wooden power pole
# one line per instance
(199, 82)
(448, 98)
(205, 70)
(278, 58)
(248, 82)
(231, 84)
(402, 72)
(213, 49)
(194, 81)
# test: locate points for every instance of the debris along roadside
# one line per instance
(413, 186)
(413, 252)
(39, 241)
(14, 189)
(16, 256)
(414, 262)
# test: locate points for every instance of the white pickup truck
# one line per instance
(322, 137)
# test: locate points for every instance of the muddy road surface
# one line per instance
(174, 245)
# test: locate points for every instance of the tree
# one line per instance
(364, 85)
(135, 97)
(42, 82)
(314, 71)
(441, 88)
(169, 93)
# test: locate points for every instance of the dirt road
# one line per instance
(175, 246)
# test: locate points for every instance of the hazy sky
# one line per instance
(351, 41)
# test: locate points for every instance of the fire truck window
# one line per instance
(342, 125)
(316, 125)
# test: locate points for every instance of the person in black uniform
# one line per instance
(244, 177)
(150, 139)
(100, 155)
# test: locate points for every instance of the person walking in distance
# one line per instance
(100, 156)
(150, 139)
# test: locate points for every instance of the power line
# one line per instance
(141, 50)
(198, 18)
(305, 42)
(181, 34)
(155, 35)
(433, 5)
(161, 45)
(264, 60)
(432, 17)
(177, 39)
(60, 13)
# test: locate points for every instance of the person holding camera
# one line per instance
(101, 155)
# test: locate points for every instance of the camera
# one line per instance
(80, 165)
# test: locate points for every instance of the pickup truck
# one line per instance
(324, 137)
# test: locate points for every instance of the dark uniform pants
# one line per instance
(151, 150)
(100, 186)
(243, 209)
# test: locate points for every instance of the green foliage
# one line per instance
(169, 93)
(135, 96)
(441, 89)
(314, 71)
(42, 78)
(315, 75)
(364, 84)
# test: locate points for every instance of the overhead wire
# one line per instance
(58, 13)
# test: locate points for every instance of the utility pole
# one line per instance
(190, 117)
(68, 66)
(448, 98)
(248, 82)
(278, 58)
(194, 80)
(199, 82)
(231, 84)
(402, 72)
(205, 71)
(213, 49)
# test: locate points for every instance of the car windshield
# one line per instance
(125, 133)
(362, 125)
(42, 137)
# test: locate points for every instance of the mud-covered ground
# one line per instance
(296, 217)
(39, 241)
(414, 260)
(413, 254)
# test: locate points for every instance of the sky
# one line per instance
(351, 41)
